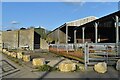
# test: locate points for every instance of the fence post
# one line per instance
(57, 47)
(118, 49)
(87, 53)
(107, 54)
(85, 56)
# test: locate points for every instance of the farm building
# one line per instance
(102, 30)
(24, 38)
(92, 42)
(90, 29)
(65, 33)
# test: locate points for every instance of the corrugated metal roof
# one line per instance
(103, 19)
(81, 21)
(78, 22)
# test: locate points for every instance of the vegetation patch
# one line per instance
(77, 68)
(46, 68)
(14, 60)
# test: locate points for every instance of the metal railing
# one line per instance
(101, 52)
(67, 46)
(93, 52)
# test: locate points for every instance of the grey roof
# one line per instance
(81, 21)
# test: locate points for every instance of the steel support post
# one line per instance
(85, 56)
(117, 33)
(117, 29)
(75, 40)
(96, 32)
(83, 34)
(74, 36)
(67, 38)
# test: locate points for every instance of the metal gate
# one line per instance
(101, 52)
(93, 52)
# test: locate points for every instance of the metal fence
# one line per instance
(67, 47)
(101, 52)
(92, 52)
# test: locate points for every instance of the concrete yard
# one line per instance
(26, 70)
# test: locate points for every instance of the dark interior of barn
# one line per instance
(36, 40)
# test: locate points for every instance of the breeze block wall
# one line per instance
(26, 37)
(10, 39)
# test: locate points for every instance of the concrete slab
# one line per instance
(25, 72)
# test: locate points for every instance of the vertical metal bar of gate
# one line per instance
(118, 49)
(107, 54)
(85, 56)
(87, 47)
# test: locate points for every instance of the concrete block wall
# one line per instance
(10, 39)
(18, 38)
(62, 37)
(54, 36)
(26, 37)
(22, 38)
(43, 44)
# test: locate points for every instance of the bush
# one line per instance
(77, 68)
(46, 68)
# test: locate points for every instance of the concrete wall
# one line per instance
(54, 36)
(26, 37)
(62, 37)
(44, 44)
(22, 38)
(18, 38)
(10, 39)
